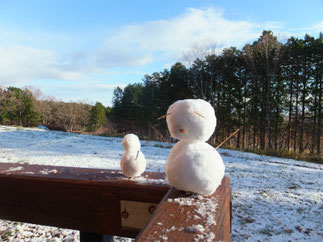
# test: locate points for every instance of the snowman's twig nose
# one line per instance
(184, 131)
(198, 114)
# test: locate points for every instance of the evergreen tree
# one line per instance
(18, 107)
(97, 117)
(271, 91)
(263, 58)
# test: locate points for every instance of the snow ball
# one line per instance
(131, 143)
(192, 119)
(133, 164)
(194, 167)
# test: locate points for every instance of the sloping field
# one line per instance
(273, 199)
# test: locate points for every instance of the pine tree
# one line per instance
(97, 117)
(18, 107)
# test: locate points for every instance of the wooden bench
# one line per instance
(183, 216)
(99, 202)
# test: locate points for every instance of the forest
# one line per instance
(28, 108)
(271, 91)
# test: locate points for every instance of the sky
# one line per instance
(80, 50)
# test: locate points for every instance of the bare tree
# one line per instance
(200, 51)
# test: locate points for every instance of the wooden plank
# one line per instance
(186, 217)
(136, 214)
(76, 198)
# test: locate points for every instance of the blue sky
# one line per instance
(80, 50)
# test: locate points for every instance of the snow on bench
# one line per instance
(98, 202)
(189, 217)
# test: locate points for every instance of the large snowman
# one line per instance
(193, 165)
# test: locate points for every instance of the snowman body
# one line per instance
(133, 162)
(193, 165)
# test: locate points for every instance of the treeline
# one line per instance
(270, 90)
(27, 108)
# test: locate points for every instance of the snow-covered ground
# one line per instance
(273, 199)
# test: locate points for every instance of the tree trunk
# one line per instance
(296, 116)
(290, 110)
(319, 120)
(315, 124)
(301, 135)
(238, 135)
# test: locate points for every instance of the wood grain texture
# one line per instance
(89, 200)
(186, 217)
(75, 198)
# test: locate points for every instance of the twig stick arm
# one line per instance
(156, 130)
(227, 139)
(164, 116)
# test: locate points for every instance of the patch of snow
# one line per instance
(273, 199)
(199, 237)
(210, 237)
(202, 209)
(197, 228)
(46, 171)
(12, 169)
(16, 231)
(141, 179)
(28, 172)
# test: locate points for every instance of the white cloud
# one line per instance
(133, 45)
(91, 61)
(141, 43)
(121, 56)
(180, 33)
(283, 33)
(273, 26)
(20, 64)
(318, 27)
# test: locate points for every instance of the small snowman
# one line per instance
(193, 165)
(133, 162)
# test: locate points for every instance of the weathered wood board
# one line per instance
(105, 202)
(186, 217)
(88, 200)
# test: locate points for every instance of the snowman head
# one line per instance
(131, 143)
(191, 119)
